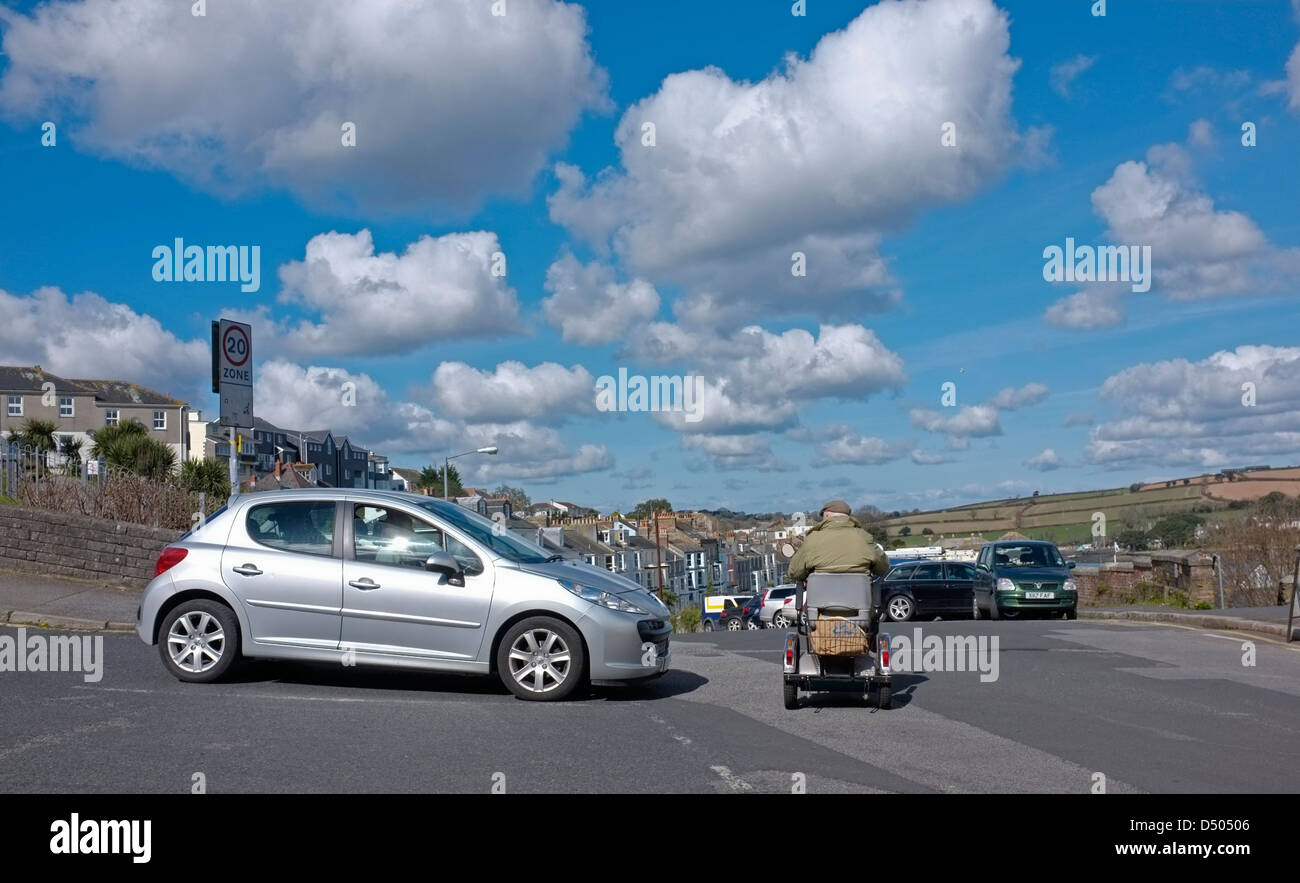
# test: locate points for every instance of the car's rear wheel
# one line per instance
(900, 608)
(200, 640)
(733, 625)
(779, 621)
(708, 625)
(753, 625)
(541, 659)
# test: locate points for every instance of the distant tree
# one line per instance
(1136, 540)
(1175, 531)
(905, 531)
(927, 532)
(1135, 487)
(518, 499)
(128, 447)
(38, 434)
(70, 447)
(650, 507)
(209, 476)
(431, 480)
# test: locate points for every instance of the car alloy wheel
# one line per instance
(540, 661)
(779, 621)
(900, 608)
(733, 625)
(753, 625)
(196, 642)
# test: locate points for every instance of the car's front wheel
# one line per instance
(200, 640)
(541, 659)
(779, 621)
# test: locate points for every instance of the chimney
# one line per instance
(277, 469)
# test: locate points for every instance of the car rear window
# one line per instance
(904, 572)
(303, 526)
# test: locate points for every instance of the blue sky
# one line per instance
(924, 261)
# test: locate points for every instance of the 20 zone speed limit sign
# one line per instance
(232, 371)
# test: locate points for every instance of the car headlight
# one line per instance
(1006, 585)
(1068, 585)
(603, 598)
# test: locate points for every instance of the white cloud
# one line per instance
(1200, 133)
(90, 337)
(314, 397)
(921, 458)
(381, 303)
(1077, 419)
(756, 378)
(590, 307)
(969, 421)
(726, 452)
(1063, 74)
(1011, 398)
(450, 102)
(1178, 412)
(1196, 250)
(864, 450)
(1044, 461)
(821, 157)
(548, 392)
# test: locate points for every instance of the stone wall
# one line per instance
(1186, 572)
(78, 546)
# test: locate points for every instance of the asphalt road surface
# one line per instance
(1152, 708)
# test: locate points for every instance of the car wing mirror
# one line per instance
(1070, 564)
(443, 562)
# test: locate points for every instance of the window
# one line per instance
(933, 570)
(111, 417)
(15, 406)
(389, 536)
(960, 571)
(306, 527)
(902, 572)
(65, 406)
(159, 419)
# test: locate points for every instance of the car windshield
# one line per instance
(1027, 556)
(489, 533)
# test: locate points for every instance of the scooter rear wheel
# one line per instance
(791, 695)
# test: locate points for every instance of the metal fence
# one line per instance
(88, 486)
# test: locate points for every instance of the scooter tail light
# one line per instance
(789, 650)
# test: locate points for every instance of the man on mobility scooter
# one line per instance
(835, 645)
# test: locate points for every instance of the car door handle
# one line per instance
(365, 584)
(247, 570)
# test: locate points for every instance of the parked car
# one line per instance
(1017, 577)
(370, 577)
(925, 589)
(751, 613)
(778, 607)
(717, 608)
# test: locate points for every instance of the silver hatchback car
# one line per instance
(369, 577)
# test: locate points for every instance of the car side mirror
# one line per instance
(1070, 564)
(443, 562)
(981, 566)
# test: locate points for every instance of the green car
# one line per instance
(1018, 577)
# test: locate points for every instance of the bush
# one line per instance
(687, 620)
(1204, 605)
(209, 476)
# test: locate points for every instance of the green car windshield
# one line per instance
(1027, 556)
(486, 532)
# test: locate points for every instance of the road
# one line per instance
(1153, 708)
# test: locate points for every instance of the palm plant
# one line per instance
(37, 434)
(128, 447)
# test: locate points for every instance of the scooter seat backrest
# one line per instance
(839, 590)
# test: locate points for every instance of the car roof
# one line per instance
(341, 493)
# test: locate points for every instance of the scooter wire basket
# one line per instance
(839, 636)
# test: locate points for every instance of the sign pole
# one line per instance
(234, 466)
(1295, 598)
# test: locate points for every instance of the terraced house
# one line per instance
(78, 406)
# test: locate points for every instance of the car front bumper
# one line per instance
(625, 648)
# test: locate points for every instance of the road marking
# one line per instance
(734, 782)
(1246, 635)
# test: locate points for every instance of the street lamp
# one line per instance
(446, 465)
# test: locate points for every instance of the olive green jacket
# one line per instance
(838, 545)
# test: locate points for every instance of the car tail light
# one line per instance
(169, 558)
(789, 600)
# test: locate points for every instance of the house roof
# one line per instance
(33, 379)
(121, 392)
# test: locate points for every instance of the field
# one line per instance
(1068, 518)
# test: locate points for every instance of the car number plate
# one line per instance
(1040, 596)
